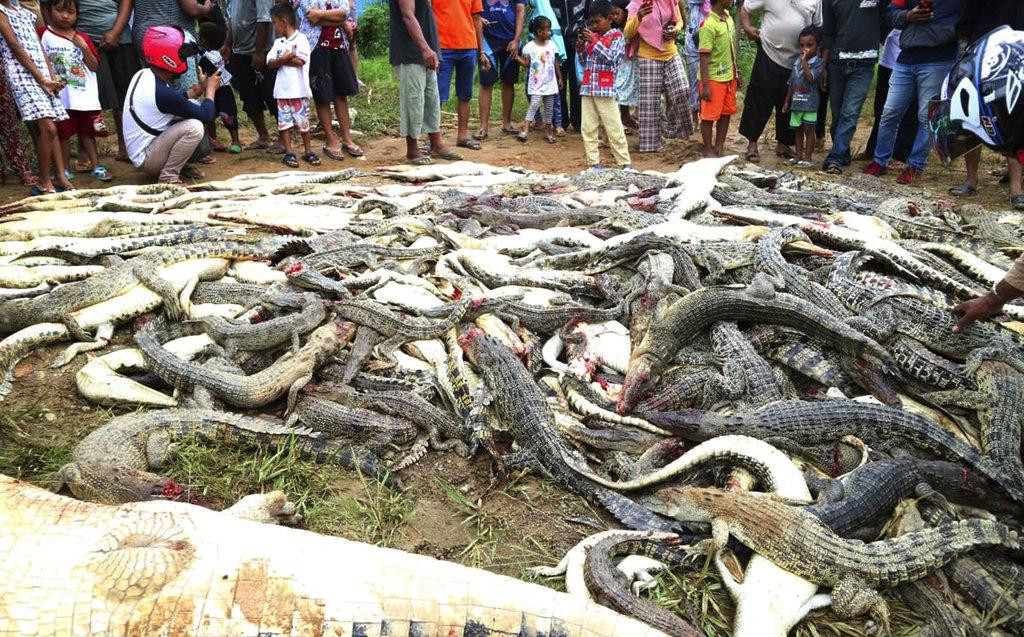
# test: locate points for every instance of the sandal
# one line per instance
(311, 158)
(551, 139)
(290, 160)
(448, 154)
(101, 173)
(234, 149)
(471, 144)
(422, 160)
(480, 135)
(257, 145)
(963, 190)
(36, 191)
(753, 156)
(207, 160)
(353, 151)
(509, 130)
(28, 179)
(1017, 201)
(832, 169)
(276, 149)
(191, 173)
(522, 136)
(788, 153)
(333, 154)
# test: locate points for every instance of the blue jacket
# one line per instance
(926, 42)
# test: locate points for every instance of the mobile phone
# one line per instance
(208, 67)
(925, 5)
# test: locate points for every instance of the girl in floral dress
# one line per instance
(34, 89)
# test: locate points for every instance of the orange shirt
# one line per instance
(455, 22)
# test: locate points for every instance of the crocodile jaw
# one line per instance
(639, 379)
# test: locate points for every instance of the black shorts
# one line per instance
(256, 89)
(117, 67)
(506, 68)
(227, 109)
(331, 75)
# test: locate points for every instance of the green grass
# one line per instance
(332, 500)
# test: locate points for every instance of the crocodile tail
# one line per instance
(977, 532)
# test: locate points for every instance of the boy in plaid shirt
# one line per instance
(601, 49)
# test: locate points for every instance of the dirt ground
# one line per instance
(452, 508)
(564, 157)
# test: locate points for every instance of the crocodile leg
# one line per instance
(851, 597)
(149, 276)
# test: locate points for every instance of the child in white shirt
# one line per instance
(544, 81)
(290, 57)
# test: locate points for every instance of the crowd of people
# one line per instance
(168, 71)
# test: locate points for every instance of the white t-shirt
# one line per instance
(542, 79)
(781, 24)
(292, 82)
(81, 90)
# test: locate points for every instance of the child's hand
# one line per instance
(53, 87)
(588, 35)
(79, 41)
(485, 62)
(785, 107)
(314, 15)
(705, 91)
(561, 84)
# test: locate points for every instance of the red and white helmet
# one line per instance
(164, 47)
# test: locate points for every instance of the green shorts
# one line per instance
(799, 118)
(419, 105)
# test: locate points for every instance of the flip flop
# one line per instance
(36, 191)
(311, 158)
(333, 154)
(290, 160)
(234, 149)
(422, 160)
(551, 139)
(257, 145)
(207, 160)
(789, 153)
(471, 144)
(190, 173)
(753, 156)
(509, 130)
(963, 190)
(480, 135)
(276, 149)
(450, 155)
(354, 151)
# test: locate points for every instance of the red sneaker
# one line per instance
(909, 175)
(874, 169)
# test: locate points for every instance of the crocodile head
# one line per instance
(639, 379)
(678, 503)
(118, 485)
(467, 341)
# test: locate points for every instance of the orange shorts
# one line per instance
(723, 101)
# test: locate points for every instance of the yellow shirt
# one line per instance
(647, 51)
(717, 37)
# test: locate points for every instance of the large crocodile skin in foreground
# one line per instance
(168, 568)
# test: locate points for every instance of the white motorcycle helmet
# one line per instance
(981, 98)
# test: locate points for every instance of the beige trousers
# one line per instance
(168, 153)
(602, 111)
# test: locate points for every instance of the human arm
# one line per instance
(789, 96)
(89, 54)
(671, 33)
(513, 46)
(111, 37)
(613, 54)
(49, 85)
(900, 17)
(229, 41)
(478, 25)
(805, 68)
(275, 62)
(523, 57)
(632, 26)
(828, 29)
(1006, 290)
(747, 23)
(193, 9)
(262, 31)
(328, 17)
(558, 75)
(408, 10)
(705, 74)
(174, 103)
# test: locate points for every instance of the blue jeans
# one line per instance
(848, 87)
(927, 78)
(463, 63)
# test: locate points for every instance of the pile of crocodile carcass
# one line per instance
(734, 363)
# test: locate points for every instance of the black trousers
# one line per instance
(766, 91)
(908, 125)
(570, 96)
